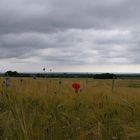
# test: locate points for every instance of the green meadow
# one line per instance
(45, 109)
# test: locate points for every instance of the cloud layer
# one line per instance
(69, 33)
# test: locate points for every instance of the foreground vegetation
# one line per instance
(47, 109)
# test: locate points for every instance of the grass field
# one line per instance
(44, 109)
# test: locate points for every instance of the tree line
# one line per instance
(61, 75)
(72, 75)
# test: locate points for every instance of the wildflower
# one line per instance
(5, 84)
(76, 86)
(34, 77)
(43, 69)
(21, 80)
(60, 82)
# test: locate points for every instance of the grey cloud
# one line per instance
(73, 46)
(53, 15)
(70, 32)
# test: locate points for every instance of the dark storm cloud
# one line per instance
(70, 32)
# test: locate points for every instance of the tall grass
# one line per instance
(36, 110)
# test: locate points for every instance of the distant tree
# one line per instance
(12, 74)
(105, 76)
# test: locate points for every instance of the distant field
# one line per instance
(47, 109)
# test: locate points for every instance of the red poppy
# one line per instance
(76, 86)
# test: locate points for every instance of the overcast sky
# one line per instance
(70, 35)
